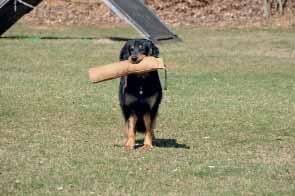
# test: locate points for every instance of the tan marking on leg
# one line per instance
(148, 140)
(130, 132)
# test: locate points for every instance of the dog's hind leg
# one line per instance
(130, 130)
(148, 140)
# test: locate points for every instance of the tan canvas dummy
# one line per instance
(122, 68)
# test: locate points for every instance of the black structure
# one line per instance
(12, 10)
(142, 19)
(133, 11)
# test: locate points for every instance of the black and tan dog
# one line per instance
(140, 94)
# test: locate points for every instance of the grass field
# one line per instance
(226, 124)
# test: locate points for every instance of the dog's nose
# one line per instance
(134, 59)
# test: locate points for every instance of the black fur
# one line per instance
(140, 94)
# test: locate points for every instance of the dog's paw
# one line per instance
(147, 147)
(128, 147)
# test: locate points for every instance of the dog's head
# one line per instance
(135, 50)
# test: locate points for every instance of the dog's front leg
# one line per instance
(130, 131)
(148, 140)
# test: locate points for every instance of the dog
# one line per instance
(139, 94)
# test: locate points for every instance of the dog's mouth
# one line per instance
(136, 59)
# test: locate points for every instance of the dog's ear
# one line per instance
(154, 50)
(124, 54)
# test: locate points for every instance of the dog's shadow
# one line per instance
(163, 143)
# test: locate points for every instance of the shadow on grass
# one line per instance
(29, 37)
(45, 37)
(163, 143)
(169, 143)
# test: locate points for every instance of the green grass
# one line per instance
(226, 124)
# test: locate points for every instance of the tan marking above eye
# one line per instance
(140, 46)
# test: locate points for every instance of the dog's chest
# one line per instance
(140, 87)
(150, 100)
(139, 92)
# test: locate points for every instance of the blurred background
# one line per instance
(222, 13)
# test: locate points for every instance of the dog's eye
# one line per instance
(131, 49)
